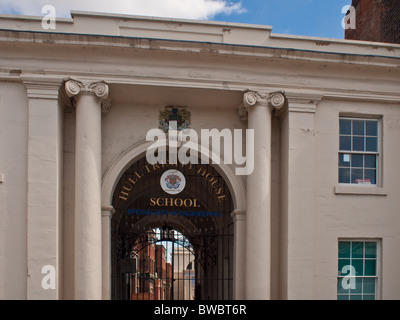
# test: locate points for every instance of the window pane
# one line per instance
(369, 297)
(358, 143)
(345, 143)
(345, 126)
(357, 160)
(343, 297)
(358, 127)
(370, 161)
(370, 250)
(340, 287)
(372, 128)
(370, 176)
(344, 249)
(358, 286)
(344, 175)
(369, 285)
(344, 160)
(372, 144)
(357, 175)
(342, 263)
(357, 249)
(370, 267)
(356, 297)
(358, 264)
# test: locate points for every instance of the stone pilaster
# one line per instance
(44, 185)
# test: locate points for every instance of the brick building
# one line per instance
(153, 277)
(376, 20)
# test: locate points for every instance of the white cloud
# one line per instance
(189, 9)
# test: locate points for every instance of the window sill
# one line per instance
(360, 190)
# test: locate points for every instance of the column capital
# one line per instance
(303, 101)
(238, 215)
(73, 87)
(42, 88)
(107, 211)
(274, 100)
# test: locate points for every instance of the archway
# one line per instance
(147, 202)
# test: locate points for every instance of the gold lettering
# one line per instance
(195, 203)
(124, 195)
(214, 182)
(180, 202)
(147, 169)
(171, 202)
(221, 198)
(209, 175)
(137, 175)
(155, 166)
(204, 171)
(126, 187)
(133, 182)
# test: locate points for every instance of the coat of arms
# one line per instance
(173, 181)
(173, 113)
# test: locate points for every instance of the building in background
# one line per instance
(376, 20)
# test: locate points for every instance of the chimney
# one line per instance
(376, 20)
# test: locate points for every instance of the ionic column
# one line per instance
(88, 98)
(257, 109)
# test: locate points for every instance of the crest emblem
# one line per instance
(173, 113)
(173, 181)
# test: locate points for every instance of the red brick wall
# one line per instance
(376, 20)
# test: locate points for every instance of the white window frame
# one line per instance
(378, 241)
(379, 171)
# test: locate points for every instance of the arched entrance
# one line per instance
(168, 243)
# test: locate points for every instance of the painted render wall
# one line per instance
(315, 217)
(351, 216)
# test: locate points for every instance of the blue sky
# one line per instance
(319, 18)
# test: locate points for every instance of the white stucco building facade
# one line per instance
(76, 103)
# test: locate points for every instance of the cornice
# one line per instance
(285, 51)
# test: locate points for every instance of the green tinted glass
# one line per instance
(369, 286)
(344, 249)
(357, 249)
(370, 267)
(370, 250)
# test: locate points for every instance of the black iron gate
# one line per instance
(162, 250)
